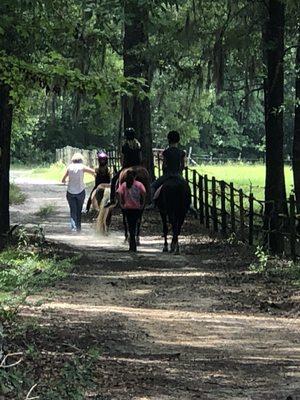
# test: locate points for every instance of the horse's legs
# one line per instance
(176, 231)
(125, 225)
(165, 231)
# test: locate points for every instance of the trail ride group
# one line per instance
(132, 189)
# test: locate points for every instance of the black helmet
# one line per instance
(129, 133)
(173, 137)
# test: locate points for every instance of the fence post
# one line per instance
(223, 207)
(242, 216)
(201, 202)
(186, 173)
(158, 164)
(214, 204)
(292, 227)
(206, 204)
(195, 189)
(232, 209)
(251, 218)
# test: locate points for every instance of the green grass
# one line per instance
(51, 173)
(244, 176)
(23, 272)
(16, 196)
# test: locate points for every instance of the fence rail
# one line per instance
(225, 209)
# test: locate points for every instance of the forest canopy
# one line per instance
(64, 61)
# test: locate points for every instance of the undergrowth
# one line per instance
(24, 272)
(275, 267)
(46, 211)
(26, 369)
(16, 196)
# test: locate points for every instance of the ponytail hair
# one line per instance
(130, 176)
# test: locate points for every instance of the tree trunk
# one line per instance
(275, 192)
(137, 111)
(5, 139)
(296, 141)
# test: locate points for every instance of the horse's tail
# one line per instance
(101, 222)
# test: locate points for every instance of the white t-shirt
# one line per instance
(76, 173)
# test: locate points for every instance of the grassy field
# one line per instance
(51, 173)
(244, 176)
(248, 177)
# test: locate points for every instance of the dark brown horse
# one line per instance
(173, 201)
(142, 175)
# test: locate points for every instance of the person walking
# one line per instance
(132, 194)
(76, 189)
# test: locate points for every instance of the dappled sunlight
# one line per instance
(177, 315)
(151, 274)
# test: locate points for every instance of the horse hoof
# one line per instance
(165, 250)
(177, 252)
(138, 242)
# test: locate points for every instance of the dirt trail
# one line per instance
(194, 326)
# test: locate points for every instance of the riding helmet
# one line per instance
(129, 133)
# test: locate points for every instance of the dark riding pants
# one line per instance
(76, 203)
(132, 217)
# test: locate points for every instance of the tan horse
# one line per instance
(105, 214)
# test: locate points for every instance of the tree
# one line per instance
(296, 141)
(5, 140)
(136, 106)
(275, 192)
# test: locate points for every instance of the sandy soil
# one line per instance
(194, 326)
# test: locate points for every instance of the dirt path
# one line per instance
(194, 326)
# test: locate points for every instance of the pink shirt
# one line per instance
(132, 196)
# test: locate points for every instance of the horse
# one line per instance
(173, 202)
(142, 175)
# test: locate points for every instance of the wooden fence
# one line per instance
(224, 209)
(227, 210)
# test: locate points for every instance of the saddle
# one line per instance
(171, 178)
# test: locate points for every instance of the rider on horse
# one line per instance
(130, 157)
(173, 164)
(103, 174)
